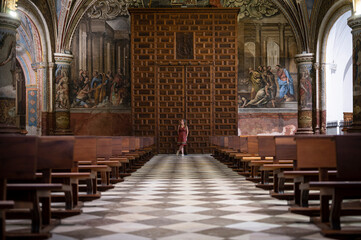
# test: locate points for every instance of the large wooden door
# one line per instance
(184, 65)
(171, 106)
(199, 108)
(184, 92)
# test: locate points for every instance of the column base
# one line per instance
(317, 130)
(355, 128)
(59, 132)
(12, 130)
(304, 131)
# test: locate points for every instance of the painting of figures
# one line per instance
(267, 73)
(101, 79)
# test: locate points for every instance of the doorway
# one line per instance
(185, 92)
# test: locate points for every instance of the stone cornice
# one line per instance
(304, 58)
(63, 58)
(354, 22)
(7, 21)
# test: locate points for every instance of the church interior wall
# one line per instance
(102, 45)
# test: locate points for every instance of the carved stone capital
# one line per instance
(304, 58)
(63, 58)
(354, 22)
(9, 22)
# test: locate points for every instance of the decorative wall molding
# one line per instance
(253, 8)
(110, 9)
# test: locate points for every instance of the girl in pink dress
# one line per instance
(182, 136)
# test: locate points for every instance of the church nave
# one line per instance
(194, 197)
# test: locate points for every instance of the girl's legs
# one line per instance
(179, 149)
(182, 150)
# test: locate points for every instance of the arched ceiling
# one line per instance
(64, 22)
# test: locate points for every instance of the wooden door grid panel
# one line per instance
(199, 98)
(171, 105)
(207, 70)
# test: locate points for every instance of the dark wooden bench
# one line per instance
(29, 194)
(266, 151)
(104, 154)
(316, 159)
(285, 152)
(347, 186)
(85, 156)
(18, 157)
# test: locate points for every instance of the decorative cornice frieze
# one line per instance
(304, 58)
(253, 8)
(63, 58)
(110, 9)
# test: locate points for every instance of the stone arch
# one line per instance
(332, 15)
(35, 57)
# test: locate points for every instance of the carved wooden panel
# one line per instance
(171, 106)
(199, 100)
(184, 66)
(144, 108)
(225, 77)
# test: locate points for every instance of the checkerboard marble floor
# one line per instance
(191, 197)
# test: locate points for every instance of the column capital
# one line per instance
(304, 58)
(9, 22)
(354, 22)
(63, 58)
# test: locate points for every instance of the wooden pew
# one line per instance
(85, 156)
(104, 153)
(348, 186)
(285, 149)
(266, 151)
(56, 155)
(29, 195)
(316, 159)
(117, 154)
(53, 153)
(18, 157)
(248, 151)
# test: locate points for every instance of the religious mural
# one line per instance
(267, 74)
(101, 79)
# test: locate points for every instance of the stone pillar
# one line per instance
(9, 117)
(355, 23)
(317, 99)
(62, 101)
(304, 63)
(258, 45)
(240, 39)
(281, 27)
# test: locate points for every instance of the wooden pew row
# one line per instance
(15, 163)
(53, 153)
(316, 159)
(346, 185)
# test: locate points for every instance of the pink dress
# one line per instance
(182, 136)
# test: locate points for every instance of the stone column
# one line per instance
(281, 28)
(317, 99)
(304, 63)
(62, 101)
(355, 23)
(258, 45)
(9, 117)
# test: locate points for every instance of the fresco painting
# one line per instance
(266, 49)
(101, 79)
